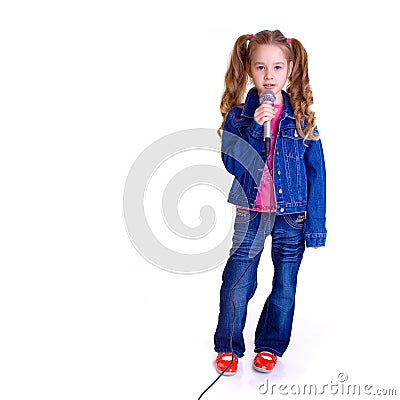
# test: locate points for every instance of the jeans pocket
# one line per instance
(296, 221)
(244, 216)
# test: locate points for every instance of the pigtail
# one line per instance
(235, 78)
(300, 93)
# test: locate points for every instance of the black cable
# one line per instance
(267, 144)
(233, 321)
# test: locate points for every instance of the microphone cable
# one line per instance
(233, 321)
(267, 144)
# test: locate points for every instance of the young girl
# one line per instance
(281, 193)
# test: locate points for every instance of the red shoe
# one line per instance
(224, 360)
(265, 361)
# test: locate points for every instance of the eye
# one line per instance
(260, 67)
(278, 67)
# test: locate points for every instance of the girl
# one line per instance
(282, 192)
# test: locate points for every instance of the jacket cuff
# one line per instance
(315, 239)
(256, 130)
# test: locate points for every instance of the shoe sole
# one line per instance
(225, 373)
(265, 371)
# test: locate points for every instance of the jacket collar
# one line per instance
(252, 102)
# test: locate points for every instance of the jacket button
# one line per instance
(278, 172)
(282, 210)
(277, 153)
(296, 134)
(280, 191)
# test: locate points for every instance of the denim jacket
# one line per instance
(298, 173)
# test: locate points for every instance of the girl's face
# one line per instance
(269, 69)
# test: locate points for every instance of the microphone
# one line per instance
(267, 97)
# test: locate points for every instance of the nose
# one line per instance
(268, 74)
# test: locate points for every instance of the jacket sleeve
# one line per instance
(314, 227)
(241, 150)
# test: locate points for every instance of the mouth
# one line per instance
(269, 86)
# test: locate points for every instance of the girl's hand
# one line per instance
(264, 113)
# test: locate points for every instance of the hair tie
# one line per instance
(251, 36)
(289, 40)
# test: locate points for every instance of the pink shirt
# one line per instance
(265, 200)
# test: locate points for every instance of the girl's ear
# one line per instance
(290, 69)
(248, 70)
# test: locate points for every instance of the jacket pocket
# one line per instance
(292, 143)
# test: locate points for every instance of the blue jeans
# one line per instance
(275, 324)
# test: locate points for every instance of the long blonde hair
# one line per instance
(298, 87)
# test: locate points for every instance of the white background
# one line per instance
(86, 86)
